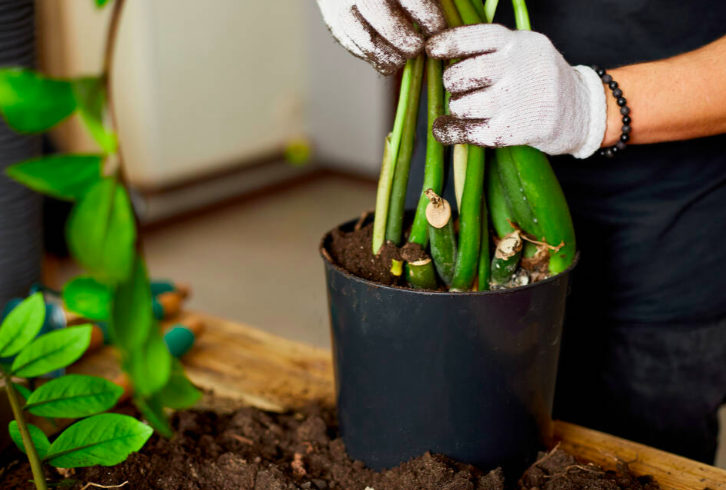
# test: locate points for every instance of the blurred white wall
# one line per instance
(203, 86)
(350, 104)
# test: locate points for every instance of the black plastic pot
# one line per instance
(468, 375)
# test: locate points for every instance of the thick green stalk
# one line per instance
(479, 7)
(485, 260)
(451, 14)
(35, 465)
(548, 204)
(434, 173)
(490, 7)
(499, 210)
(506, 258)
(470, 221)
(397, 205)
(421, 274)
(521, 16)
(461, 158)
(390, 155)
(514, 193)
(468, 12)
(442, 237)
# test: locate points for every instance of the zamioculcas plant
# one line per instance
(97, 439)
(525, 208)
(101, 232)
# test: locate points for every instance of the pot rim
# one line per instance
(329, 261)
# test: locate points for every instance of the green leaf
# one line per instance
(74, 396)
(88, 297)
(149, 366)
(40, 441)
(101, 3)
(66, 177)
(105, 440)
(22, 325)
(179, 392)
(152, 410)
(32, 103)
(91, 99)
(23, 391)
(132, 313)
(101, 232)
(52, 351)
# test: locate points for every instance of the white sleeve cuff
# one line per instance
(597, 106)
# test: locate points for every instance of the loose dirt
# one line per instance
(251, 449)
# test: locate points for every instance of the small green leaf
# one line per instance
(74, 396)
(52, 351)
(101, 3)
(149, 366)
(40, 441)
(22, 325)
(132, 314)
(152, 410)
(101, 232)
(32, 103)
(179, 392)
(105, 440)
(23, 391)
(88, 297)
(66, 177)
(91, 99)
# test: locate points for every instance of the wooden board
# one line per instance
(670, 471)
(245, 365)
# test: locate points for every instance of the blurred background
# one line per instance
(210, 101)
(219, 104)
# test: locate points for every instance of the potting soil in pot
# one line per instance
(250, 449)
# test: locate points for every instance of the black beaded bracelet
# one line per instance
(607, 79)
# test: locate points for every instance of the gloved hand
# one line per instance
(381, 31)
(514, 88)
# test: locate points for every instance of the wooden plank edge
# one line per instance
(671, 472)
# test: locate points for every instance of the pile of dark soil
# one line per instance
(352, 251)
(250, 449)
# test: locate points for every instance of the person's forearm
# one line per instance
(673, 99)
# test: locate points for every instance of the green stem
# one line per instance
(485, 260)
(451, 14)
(397, 206)
(35, 465)
(470, 221)
(490, 7)
(521, 16)
(499, 210)
(479, 7)
(513, 188)
(390, 154)
(461, 158)
(468, 12)
(421, 274)
(441, 233)
(434, 173)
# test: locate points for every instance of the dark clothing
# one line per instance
(644, 348)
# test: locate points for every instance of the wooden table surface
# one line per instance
(244, 365)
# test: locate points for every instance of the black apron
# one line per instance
(644, 349)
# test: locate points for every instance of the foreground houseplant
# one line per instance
(463, 361)
(524, 202)
(102, 236)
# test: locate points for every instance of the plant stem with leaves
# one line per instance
(35, 464)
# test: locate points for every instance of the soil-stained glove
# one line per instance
(514, 88)
(381, 32)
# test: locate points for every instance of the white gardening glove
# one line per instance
(381, 31)
(514, 88)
